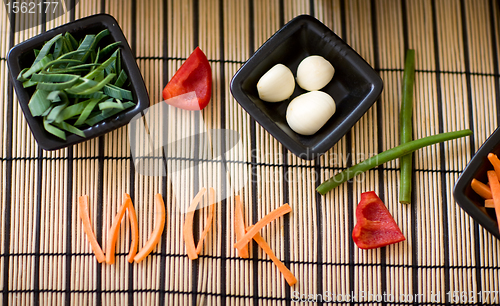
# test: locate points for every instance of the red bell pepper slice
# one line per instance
(375, 225)
(191, 86)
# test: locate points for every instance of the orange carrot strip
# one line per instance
(239, 226)
(134, 227)
(481, 189)
(187, 229)
(211, 196)
(495, 162)
(495, 192)
(289, 277)
(115, 228)
(113, 231)
(83, 205)
(278, 212)
(157, 231)
(488, 203)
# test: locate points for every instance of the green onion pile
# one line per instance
(77, 86)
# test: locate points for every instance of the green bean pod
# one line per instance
(406, 129)
(386, 156)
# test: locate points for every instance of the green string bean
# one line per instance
(386, 156)
(405, 122)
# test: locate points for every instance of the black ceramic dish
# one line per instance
(472, 203)
(22, 56)
(354, 87)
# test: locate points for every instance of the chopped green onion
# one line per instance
(99, 77)
(46, 48)
(86, 112)
(66, 46)
(39, 103)
(96, 60)
(78, 89)
(98, 37)
(107, 113)
(55, 78)
(72, 41)
(58, 62)
(54, 113)
(86, 46)
(121, 79)
(58, 47)
(54, 96)
(34, 68)
(68, 127)
(47, 111)
(51, 82)
(75, 71)
(108, 104)
(54, 130)
(117, 93)
(71, 69)
(97, 94)
(72, 111)
(72, 54)
(99, 85)
(96, 71)
(110, 48)
(116, 66)
(29, 83)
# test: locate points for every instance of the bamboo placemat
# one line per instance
(446, 259)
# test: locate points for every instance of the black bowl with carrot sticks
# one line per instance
(472, 187)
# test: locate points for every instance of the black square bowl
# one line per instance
(355, 85)
(467, 198)
(22, 55)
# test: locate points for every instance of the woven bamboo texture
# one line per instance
(447, 258)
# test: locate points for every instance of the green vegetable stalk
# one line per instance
(76, 86)
(405, 121)
(386, 156)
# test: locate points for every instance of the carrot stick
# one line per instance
(481, 189)
(290, 279)
(211, 195)
(83, 205)
(157, 231)
(495, 162)
(113, 231)
(488, 203)
(187, 229)
(134, 227)
(261, 223)
(495, 192)
(239, 226)
(115, 228)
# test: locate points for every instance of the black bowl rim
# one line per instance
(465, 179)
(129, 63)
(273, 128)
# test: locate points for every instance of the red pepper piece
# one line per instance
(191, 86)
(375, 225)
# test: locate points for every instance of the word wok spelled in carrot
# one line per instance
(244, 234)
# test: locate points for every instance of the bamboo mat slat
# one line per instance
(45, 257)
